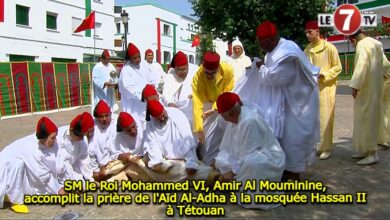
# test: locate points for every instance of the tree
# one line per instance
(206, 44)
(228, 19)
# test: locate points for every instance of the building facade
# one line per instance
(42, 30)
(164, 31)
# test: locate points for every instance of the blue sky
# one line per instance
(181, 6)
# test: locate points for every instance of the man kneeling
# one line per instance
(248, 149)
(168, 136)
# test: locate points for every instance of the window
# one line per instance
(75, 24)
(189, 26)
(167, 57)
(192, 27)
(192, 37)
(22, 13)
(118, 28)
(98, 27)
(167, 30)
(51, 20)
(14, 58)
(89, 58)
(118, 43)
(63, 60)
(191, 59)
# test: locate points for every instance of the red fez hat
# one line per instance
(132, 50)
(148, 91)
(211, 60)
(226, 101)
(266, 29)
(45, 125)
(155, 108)
(148, 51)
(105, 54)
(312, 25)
(101, 108)
(125, 120)
(86, 121)
(180, 59)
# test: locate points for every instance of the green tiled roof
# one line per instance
(372, 4)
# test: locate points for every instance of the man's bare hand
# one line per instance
(208, 113)
(260, 63)
(354, 92)
(200, 137)
(62, 192)
(226, 177)
(108, 85)
(191, 171)
(172, 105)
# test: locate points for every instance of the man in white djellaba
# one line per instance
(284, 84)
(177, 90)
(238, 60)
(132, 80)
(103, 86)
(249, 150)
(27, 167)
(73, 161)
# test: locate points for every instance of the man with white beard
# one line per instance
(177, 91)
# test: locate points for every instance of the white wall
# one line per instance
(36, 40)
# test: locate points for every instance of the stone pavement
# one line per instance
(339, 173)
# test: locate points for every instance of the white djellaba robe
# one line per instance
(156, 73)
(367, 78)
(124, 143)
(173, 140)
(287, 69)
(73, 161)
(250, 150)
(27, 167)
(132, 81)
(267, 97)
(100, 75)
(178, 91)
(102, 140)
(239, 63)
(384, 135)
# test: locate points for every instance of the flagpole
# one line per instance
(94, 41)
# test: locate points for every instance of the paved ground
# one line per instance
(339, 173)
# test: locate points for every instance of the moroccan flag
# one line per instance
(385, 20)
(2, 6)
(195, 41)
(88, 23)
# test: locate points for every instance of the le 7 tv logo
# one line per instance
(347, 19)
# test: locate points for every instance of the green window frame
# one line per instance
(63, 60)
(51, 21)
(22, 15)
(18, 58)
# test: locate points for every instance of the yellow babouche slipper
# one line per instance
(20, 208)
